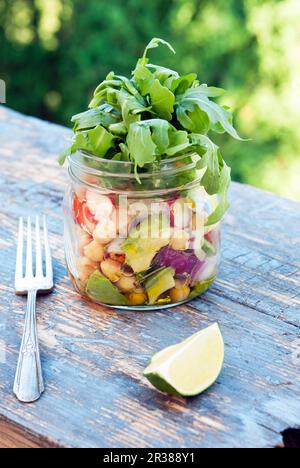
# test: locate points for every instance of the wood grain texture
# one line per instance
(93, 357)
(14, 436)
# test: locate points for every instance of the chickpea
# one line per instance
(137, 297)
(180, 240)
(180, 294)
(105, 231)
(127, 283)
(94, 251)
(99, 205)
(85, 268)
(84, 239)
(111, 269)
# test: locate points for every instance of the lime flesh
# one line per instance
(190, 367)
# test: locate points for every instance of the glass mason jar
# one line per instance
(139, 241)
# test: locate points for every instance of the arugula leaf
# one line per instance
(163, 74)
(160, 134)
(110, 85)
(130, 106)
(144, 79)
(223, 205)
(118, 129)
(103, 115)
(210, 154)
(155, 115)
(211, 91)
(125, 152)
(216, 114)
(216, 179)
(166, 138)
(155, 42)
(97, 141)
(140, 144)
(100, 93)
(179, 141)
(145, 75)
(162, 100)
(211, 178)
(110, 82)
(65, 153)
(183, 83)
(218, 127)
(129, 85)
(193, 118)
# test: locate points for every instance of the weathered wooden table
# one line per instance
(93, 357)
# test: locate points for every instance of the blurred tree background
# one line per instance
(54, 52)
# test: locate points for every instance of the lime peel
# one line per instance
(190, 367)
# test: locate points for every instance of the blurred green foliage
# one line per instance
(54, 52)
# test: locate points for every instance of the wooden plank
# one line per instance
(93, 357)
(14, 436)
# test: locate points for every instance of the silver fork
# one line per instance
(29, 384)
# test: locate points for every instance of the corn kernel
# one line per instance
(180, 294)
(137, 298)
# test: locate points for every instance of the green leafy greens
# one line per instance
(157, 115)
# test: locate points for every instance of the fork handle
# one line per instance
(29, 384)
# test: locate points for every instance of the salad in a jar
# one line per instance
(148, 189)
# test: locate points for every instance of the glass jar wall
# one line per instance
(139, 241)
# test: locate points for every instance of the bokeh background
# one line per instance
(54, 52)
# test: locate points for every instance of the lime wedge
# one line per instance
(190, 367)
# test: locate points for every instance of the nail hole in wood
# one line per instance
(291, 438)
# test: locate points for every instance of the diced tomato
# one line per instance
(88, 221)
(77, 210)
(87, 213)
(214, 237)
(83, 215)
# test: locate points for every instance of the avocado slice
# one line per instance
(100, 289)
(145, 241)
(159, 283)
(201, 287)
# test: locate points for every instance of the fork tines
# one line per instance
(38, 278)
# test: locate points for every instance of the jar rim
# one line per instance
(178, 173)
(114, 168)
